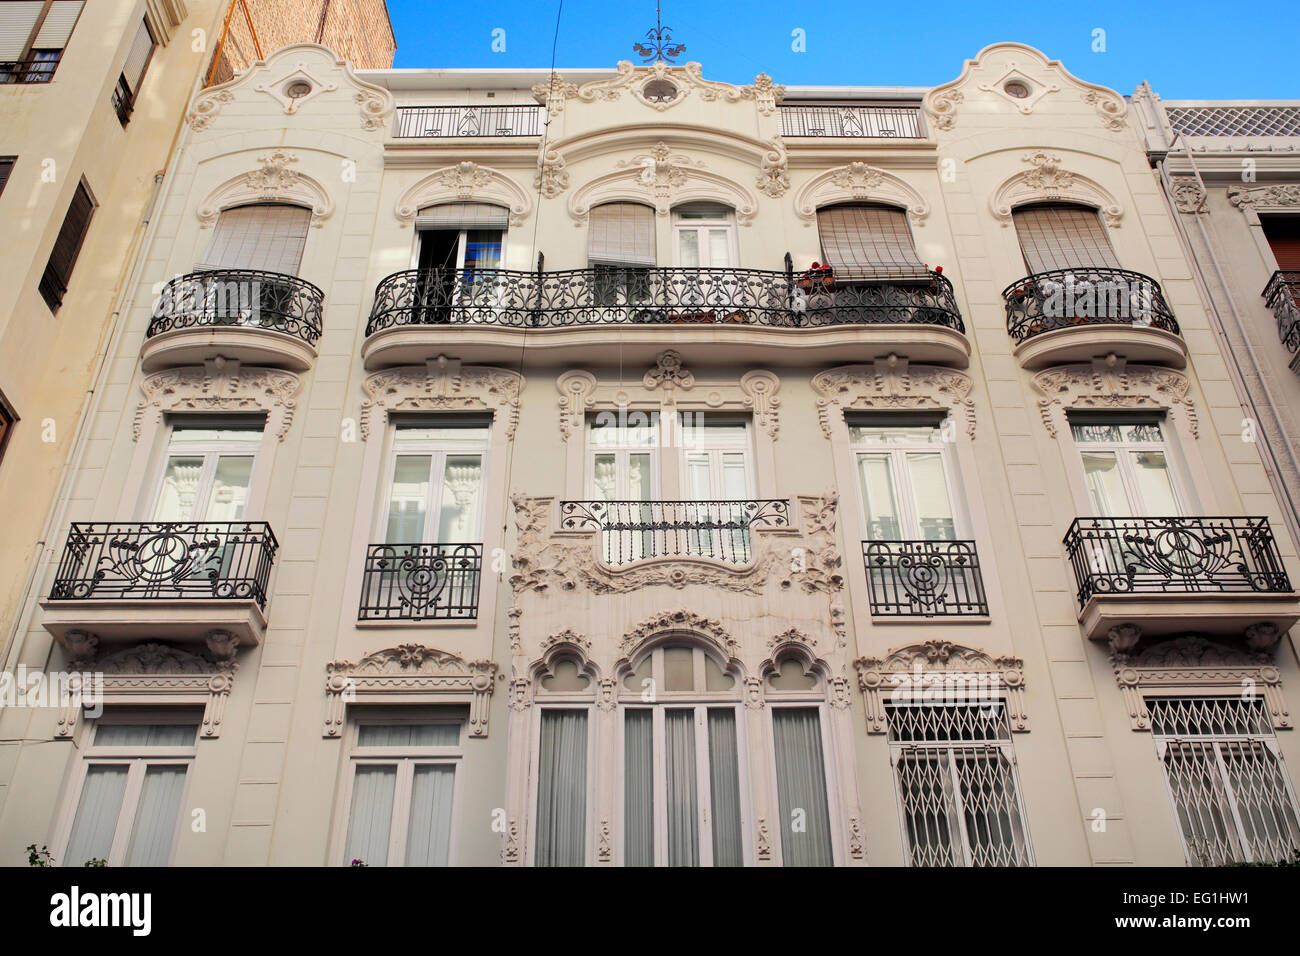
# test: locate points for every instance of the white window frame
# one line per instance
(438, 449)
(702, 227)
(715, 453)
(622, 452)
(563, 701)
(1124, 452)
(138, 759)
(909, 523)
(211, 453)
(461, 241)
(406, 760)
(813, 698)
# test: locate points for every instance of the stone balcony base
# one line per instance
(1209, 613)
(127, 621)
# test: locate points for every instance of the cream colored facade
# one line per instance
(797, 687)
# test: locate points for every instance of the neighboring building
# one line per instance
(92, 100)
(482, 481)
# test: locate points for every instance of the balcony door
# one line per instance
(623, 471)
(904, 478)
(1062, 236)
(1126, 467)
(435, 494)
(719, 483)
(459, 257)
(208, 471)
(621, 253)
(704, 235)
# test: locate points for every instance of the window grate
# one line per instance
(1235, 120)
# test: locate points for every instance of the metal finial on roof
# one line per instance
(661, 46)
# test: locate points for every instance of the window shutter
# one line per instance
(1063, 237)
(463, 215)
(869, 242)
(58, 271)
(137, 60)
(57, 28)
(621, 233)
(1283, 234)
(268, 237)
(17, 20)
(6, 167)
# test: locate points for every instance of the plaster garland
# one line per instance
(1278, 196)
(892, 383)
(1046, 180)
(274, 180)
(465, 182)
(687, 78)
(663, 179)
(1111, 382)
(858, 182)
(220, 385)
(443, 383)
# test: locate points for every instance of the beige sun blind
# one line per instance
(138, 57)
(57, 28)
(1063, 237)
(17, 20)
(266, 237)
(463, 215)
(622, 234)
(869, 242)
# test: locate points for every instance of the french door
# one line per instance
(718, 484)
(207, 474)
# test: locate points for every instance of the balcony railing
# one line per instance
(245, 298)
(924, 579)
(600, 296)
(897, 122)
(633, 531)
(166, 561)
(421, 582)
(1174, 555)
(422, 121)
(31, 70)
(1068, 298)
(1282, 295)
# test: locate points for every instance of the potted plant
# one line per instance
(818, 278)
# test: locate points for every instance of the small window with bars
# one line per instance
(1229, 788)
(958, 792)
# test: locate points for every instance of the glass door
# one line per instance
(437, 481)
(904, 482)
(207, 474)
(704, 240)
(719, 486)
(622, 474)
(1126, 466)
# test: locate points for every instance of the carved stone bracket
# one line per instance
(1188, 195)
(774, 177)
(892, 383)
(220, 385)
(577, 393)
(858, 182)
(274, 180)
(943, 672)
(1112, 383)
(760, 387)
(409, 673)
(1046, 180)
(443, 383)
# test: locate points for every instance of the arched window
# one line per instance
(864, 243)
(460, 249)
(681, 743)
(268, 237)
(796, 697)
(621, 252)
(1057, 236)
(564, 692)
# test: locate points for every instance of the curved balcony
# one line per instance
(1074, 315)
(260, 318)
(1282, 296)
(732, 315)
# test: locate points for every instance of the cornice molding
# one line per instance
(443, 383)
(220, 384)
(893, 383)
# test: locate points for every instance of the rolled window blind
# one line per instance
(1063, 237)
(463, 215)
(869, 242)
(17, 20)
(621, 233)
(57, 28)
(137, 59)
(269, 237)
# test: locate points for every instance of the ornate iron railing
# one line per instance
(924, 578)
(899, 122)
(1174, 555)
(166, 561)
(1282, 295)
(420, 121)
(640, 530)
(1067, 298)
(247, 298)
(421, 582)
(606, 296)
(31, 70)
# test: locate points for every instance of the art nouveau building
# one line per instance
(487, 474)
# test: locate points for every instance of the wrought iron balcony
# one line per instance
(166, 561)
(1180, 555)
(896, 122)
(1069, 298)
(634, 531)
(1282, 295)
(924, 579)
(421, 582)
(639, 296)
(31, 70)
(442, 121)
(245, 298)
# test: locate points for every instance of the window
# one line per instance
(903, 474)
(1229, 788)
(801, 786)
(58, 270)
(704, 236)
(461, 246)
(32, 38)
(1283, 235)
(8, 418)
(208, 471)
(620, 251)
(437, 470)
(1054, 237)
(1126, 466)
(268, 237)
(6, 167)
(561, 833)
(132, 779)
(869, 242)
(681, 762)
(957, 787)
(403, 790)
(137, 61)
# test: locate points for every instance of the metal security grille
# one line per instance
(1235, 120)
(958, 794)
(1230, 792)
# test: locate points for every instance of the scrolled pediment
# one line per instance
(893, 383)
(1112, 383)
(275, 179)
(220, 385)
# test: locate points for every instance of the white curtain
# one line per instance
(408, 735)
(97, 811)
(372, 814)
(724, 787)
(638, 789)
(683, 806)
(562, 789)
(801, 786)
(429, 835)
(155, 817)
(145, 735)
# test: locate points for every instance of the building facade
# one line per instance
(622, 467)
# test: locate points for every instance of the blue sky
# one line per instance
(1186, 50)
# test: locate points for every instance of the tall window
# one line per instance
(681, 762)
(67, 246)
(904, 477)
(796, 701)
(561, 831)
(1126, 465)
(208, 471)
(130, 784)
(1283, 235)
(1229, 788)
(403, 790)
(436, 492)
(461, 248)
(32, 37)
(957, 786)
(1060, 236)
(621, 251)
(268, 237)
(704, 235)
(137, 61)
(869, 242)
